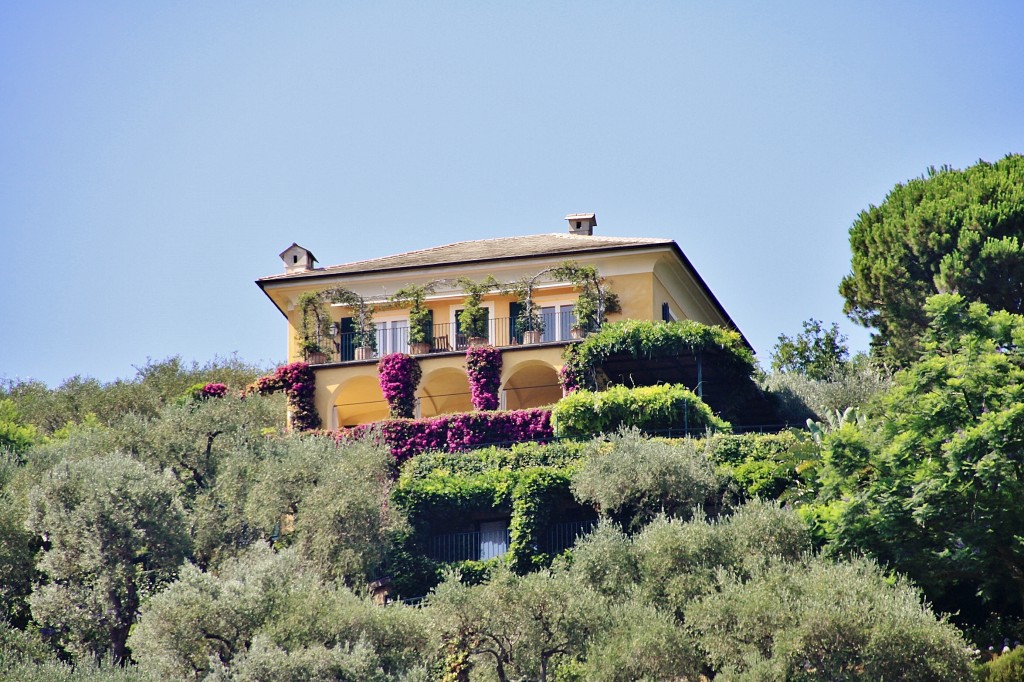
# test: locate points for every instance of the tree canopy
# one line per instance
(816, 352)
(949, 231)
(932, 486)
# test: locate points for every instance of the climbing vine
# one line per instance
(641, 339)
(399, 375)
(298, 381)
(483, 369)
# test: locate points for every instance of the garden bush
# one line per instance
(780, 466)
(636, 479)
(649, 408)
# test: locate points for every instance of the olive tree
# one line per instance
(112, 532)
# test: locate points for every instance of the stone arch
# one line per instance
(532, 383)
(359, 401)
(444, 391)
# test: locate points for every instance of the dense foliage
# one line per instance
(797, 397)
(633, 480)
(81, 399)
(932, 485)
(639, 339)
(816, 353)
(950, 231)
(114, 531)
(663, 408)
(276, 537)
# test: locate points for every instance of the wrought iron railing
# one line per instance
(452, 547)
(474, 545)
(444, 337)
(561, 536)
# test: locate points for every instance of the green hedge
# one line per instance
(648, 408)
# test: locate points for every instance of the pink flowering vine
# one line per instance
(399, 375)
(213, 390)
(483, 369)
(454, 432)
(298, 381)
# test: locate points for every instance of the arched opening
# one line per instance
(444, 391)
(531, 384)
(360, 401)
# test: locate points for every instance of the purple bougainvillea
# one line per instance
(454, 432)
(483, 369)
(298, 381)
(399, 374)
(569, 379)
(213, 391)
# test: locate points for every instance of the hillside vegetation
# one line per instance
(199, 540)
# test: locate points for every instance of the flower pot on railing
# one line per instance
(364, 353)
(478, 341)
(577, 332)
(531, 337)
(419, 348)
(316, 357)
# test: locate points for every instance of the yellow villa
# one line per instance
(652, 279)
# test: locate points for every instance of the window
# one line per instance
(558, 321)
(493, 539)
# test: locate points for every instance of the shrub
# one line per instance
(1008, 667)
(454, 432)
(816, 620)
(636, 479)
(768, 465)
(648, 408)
(399, 374)
(798, 397)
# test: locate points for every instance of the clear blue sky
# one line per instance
(155, 157)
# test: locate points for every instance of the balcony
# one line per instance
(393, 337)
(493, 540)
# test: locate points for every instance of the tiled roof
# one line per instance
(482, 250)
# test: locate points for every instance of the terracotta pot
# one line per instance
(531, 337)
(364, 353)
(478, 341)
(316, 358)
(576, 332)
(419, 348)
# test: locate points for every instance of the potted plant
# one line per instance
(529, 321)
(365, 334)
(421, 320)
(315, 332)
(473, 317)
(595, 300)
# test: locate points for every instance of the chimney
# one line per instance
(581, 223)
(297, 259)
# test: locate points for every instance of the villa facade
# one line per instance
(652, 279)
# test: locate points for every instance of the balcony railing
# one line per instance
(393, 337)
(474, 545)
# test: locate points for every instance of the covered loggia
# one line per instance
(531, 383)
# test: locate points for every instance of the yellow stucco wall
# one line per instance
(636, 293)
